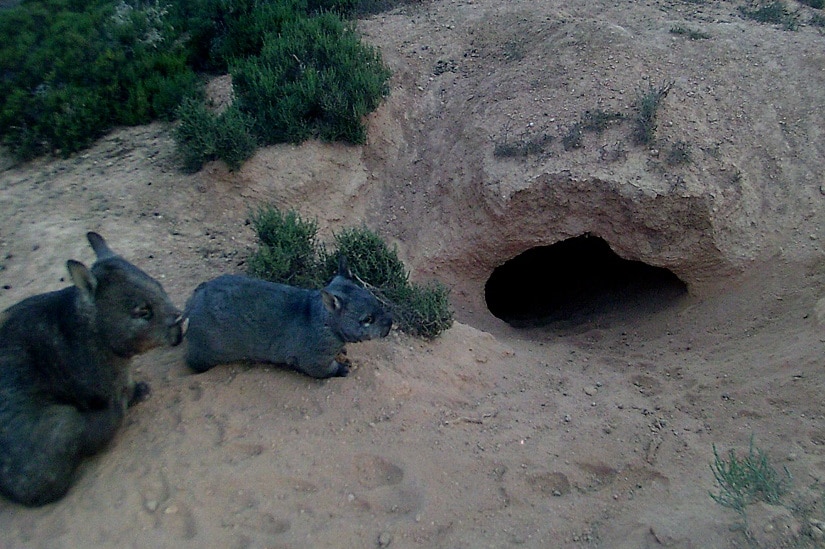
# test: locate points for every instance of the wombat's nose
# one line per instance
(178, 329)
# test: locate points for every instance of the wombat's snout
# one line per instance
(178, 329)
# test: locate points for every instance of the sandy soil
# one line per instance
(598, 433)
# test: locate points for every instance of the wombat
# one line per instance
(234, 318)
(64, 370)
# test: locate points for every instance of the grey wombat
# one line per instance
(234, 318)
(64, 370)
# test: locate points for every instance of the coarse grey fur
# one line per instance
(234, 318)
(64, 370)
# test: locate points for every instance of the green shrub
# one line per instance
(775, 12)
(288, 249)
(370, 258)
(817, 4)
(313, 79)
(422, 310)
(202, 136)
(690, 33)
(290, 253)
(73, 70)
(647, 107)
(747, 479)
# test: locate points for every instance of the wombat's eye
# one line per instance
(142, 311)
(367, 320)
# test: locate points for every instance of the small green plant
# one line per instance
(816, 4)
(574, 138)
(817, 20)
(690, 33)
(369, 256)
(288, 249)
(775, 12)
(679, 153)
(743, 480)
(290, 253)
(523, 146)
(647, 107)
(202, 136)
(599, 120)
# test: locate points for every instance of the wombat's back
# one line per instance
(233, 318)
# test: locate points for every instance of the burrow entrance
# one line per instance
(576, 280)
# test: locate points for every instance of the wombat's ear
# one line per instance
(102, 250)
(82, 278)
(343, 268)
(331, 301)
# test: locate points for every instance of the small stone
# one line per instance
(151, 505)
(384, 539)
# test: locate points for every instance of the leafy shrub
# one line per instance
(203, 136)
(423, 309)
(817, 4)
(73, 70)
(775, 12)
(288, 249)
(313, 79)
(370, 257)
(290, 253)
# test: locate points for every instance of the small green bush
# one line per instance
(690, 33)
(202, 136)
(647, 107)
(745, 480)
(775, 12)
(290, 253)
(816, 4)
(370, 258)
(288, 249)
(314, 79)
(423, 310)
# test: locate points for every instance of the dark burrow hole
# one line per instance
(575, 281)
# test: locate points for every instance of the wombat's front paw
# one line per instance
(140, 392)
(341, 369)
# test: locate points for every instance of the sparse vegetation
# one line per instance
(775, 12)
(647, 107)
(290, 253)
(679, 153)
(524, 146)
(599, 120)
(690, 33)
(743, 480)
(573, 139)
